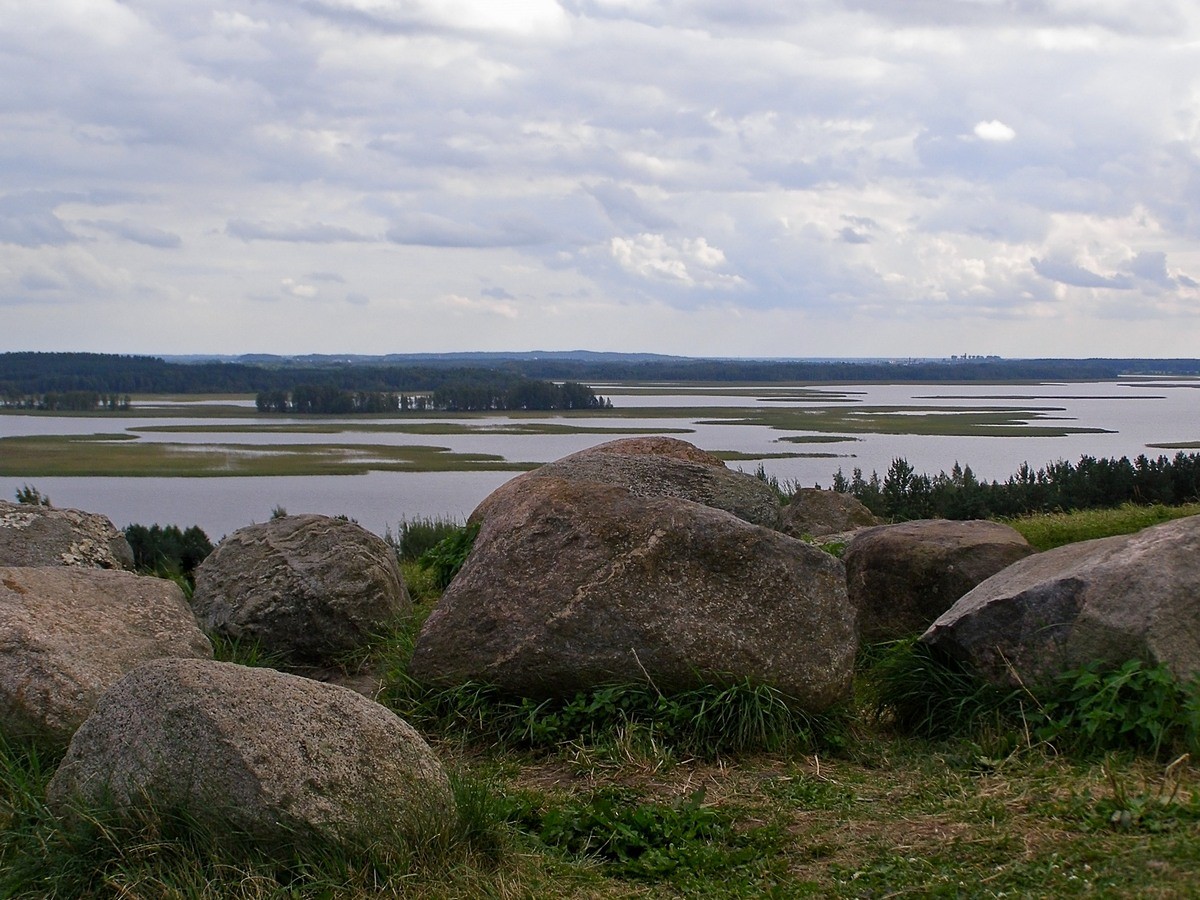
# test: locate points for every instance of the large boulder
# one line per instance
(658, 467)
(814, 512)
(1104, 601)
(574, 584)
(306, 587)
(902, 577)
(253, 751)
(34, 535)
(67, 634)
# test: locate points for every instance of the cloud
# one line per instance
(28, 219)
(319, 233)
(459, 304)
(137, 233)
(626, 208)
(686, 262)
(994, 130)
(298, 289)
(430, 230)
(901, 165)
(1068, 272)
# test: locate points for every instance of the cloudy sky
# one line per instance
(699, 177)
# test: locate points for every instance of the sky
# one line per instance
(853, 178)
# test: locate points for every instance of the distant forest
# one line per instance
(485, 391)
(26, 374)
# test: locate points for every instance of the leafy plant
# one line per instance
(417, 536)
(1134, 707)
(654, 840)
(447, 557)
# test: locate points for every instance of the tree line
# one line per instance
(1061, 486)
(25, 373)
(477, 394)
(65, 401)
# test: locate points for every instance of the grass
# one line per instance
(1048, 530)
(117, 455)
(928, 786)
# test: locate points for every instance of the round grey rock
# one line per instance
(308, 587)
(257, 752)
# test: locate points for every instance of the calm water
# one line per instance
(1135, 413)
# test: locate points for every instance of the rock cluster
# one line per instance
(67, 634)
(1108, 601)
(642, 560)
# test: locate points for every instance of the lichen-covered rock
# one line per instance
(32, 535)
(574, 584)
(1105, 601)
(659, 467)
(256, 752)
(67, 634)
(308, 587)
(902, 577)
(814, 512)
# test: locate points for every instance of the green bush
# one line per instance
(447, 557)
(415, 537)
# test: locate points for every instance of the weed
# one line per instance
(1133, 707)
(655, 841)
(246, 652)
(1161, 808)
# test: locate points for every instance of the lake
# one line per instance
(1127, 416)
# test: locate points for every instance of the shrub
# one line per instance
(447, 557)
(417, 536)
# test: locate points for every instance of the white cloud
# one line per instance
(690, 262)
(994, 130)
(486, 306)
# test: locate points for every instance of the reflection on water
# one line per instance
(1136, 412)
